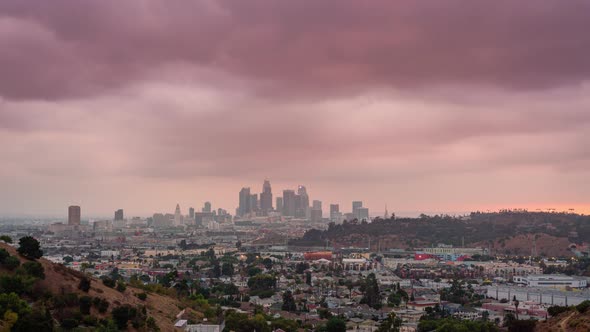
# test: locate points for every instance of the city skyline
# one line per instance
(446, 107)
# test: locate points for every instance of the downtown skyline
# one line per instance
(438, 108)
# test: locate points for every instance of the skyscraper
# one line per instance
(280, 204)
(177, 216)
(244, 207)
(302, 203)
(316, 211)
(334, 208)
(119, 215)
(289, 203)
(266, 198)
(74, 215)
(355, 206)
(191, 212)
(254, 205)
(362, 213)
(335, 212)
(206, 207)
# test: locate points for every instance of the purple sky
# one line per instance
(425, 106)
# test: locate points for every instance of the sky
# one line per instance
(423, 106)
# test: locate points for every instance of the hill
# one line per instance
(571, 320)
(55, 293)
(506, 232)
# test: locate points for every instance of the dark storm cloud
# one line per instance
(60, 49)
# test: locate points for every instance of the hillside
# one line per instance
(569, 321)
(507, 232)
(60, 280)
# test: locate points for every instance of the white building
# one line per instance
(551, 280)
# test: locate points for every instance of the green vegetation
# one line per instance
(6, 239)
(289, 302)
(29, 247)
(455, 325)
(371, 295)
(84, 284)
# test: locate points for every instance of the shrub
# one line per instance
(29, 247)
(3, 255)
(556, 310)
(121, 287)
(84, 284)
(121, 316)
(103, 306)
(6, 238)
(90, 320)
(11, 262)
(85, 304)
(583, 307)
(34, 269)
(16, 284)
(108, 282)
(142, 296)
(69, 323)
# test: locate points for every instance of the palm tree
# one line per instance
(516, 304)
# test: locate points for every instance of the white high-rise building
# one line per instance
(177, 216)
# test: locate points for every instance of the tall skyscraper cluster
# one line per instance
(291, 204)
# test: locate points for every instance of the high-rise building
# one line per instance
(119, 215)
(266, 198)
(355, 206)
(316, 204)
(177, 216)
(280, 204)
(244, 207)
(191, 212)
(254, 205)
(74, 215)
(289, 203)
(362, 213)
(302, 203)
(206, 207)
(316, 211)
(334, 208)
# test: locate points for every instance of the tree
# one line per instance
(227, 269)
(29, 247)
(267, 263)
(84, 284)
(308, 278)
(6, 238)
(34, 269)
(516, 304)
(288, 302)
(121, 287)
(121, 316)
(85, 303)
(371, 295)
(109, 282)
(11, 262)
(68, 259)
(391, 324)
(335, 324)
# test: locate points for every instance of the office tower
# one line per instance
(317, 205)
(74, 215)
(244, 207)
(119, 215)
(254, 205)
(266, 198)
(316, 215)
(289, 203)
(177, 216)
(316, 211)
(362, 213)
(355, 206)
(334, 208)
(280, 204)
(207, 207)
(302, 203)
(191, 212)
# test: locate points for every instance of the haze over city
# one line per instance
(443, 107)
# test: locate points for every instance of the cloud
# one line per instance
(297, 49)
